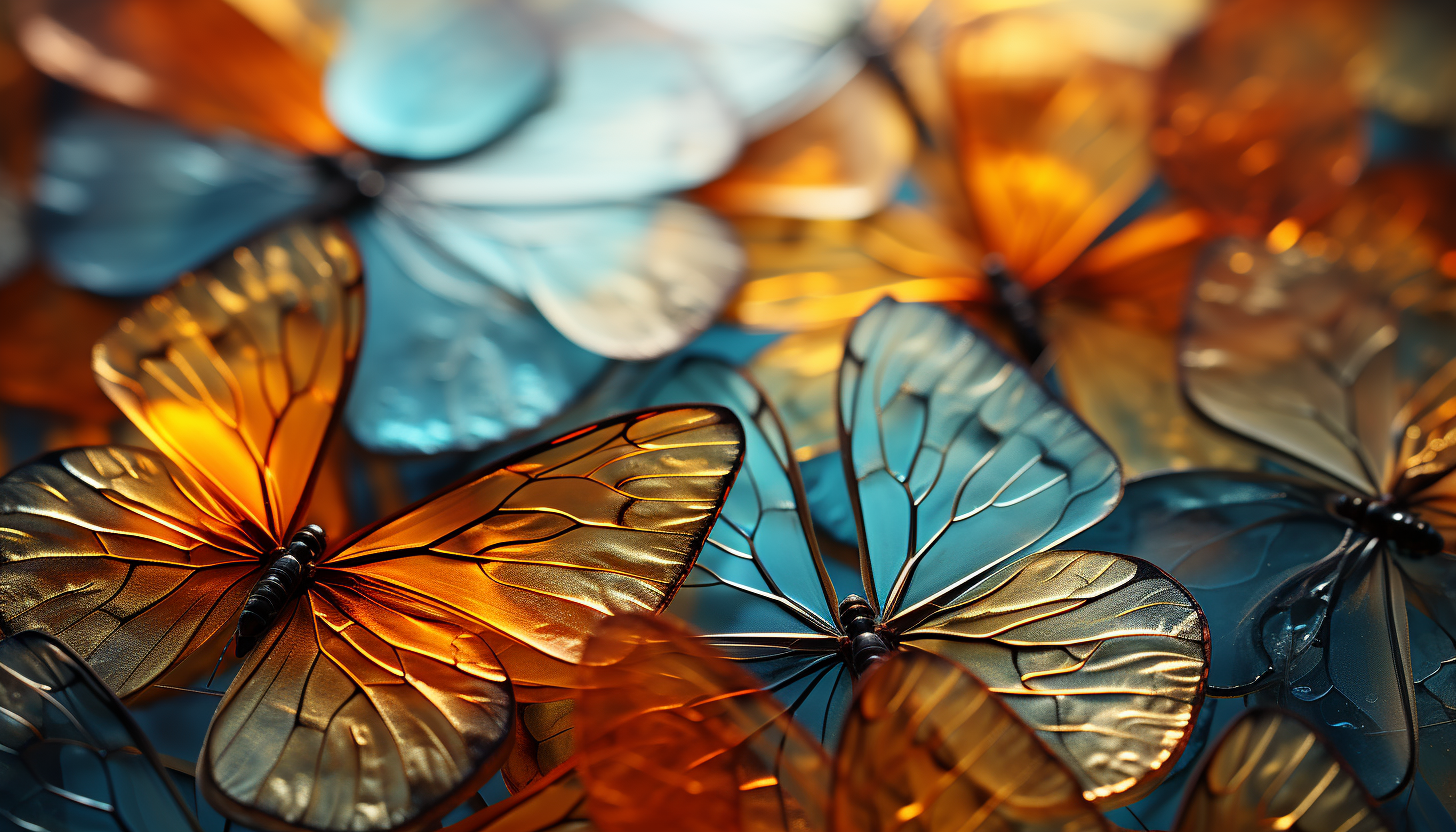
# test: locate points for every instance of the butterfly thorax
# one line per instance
(281, 582)
(1387, 519)
(865, 644)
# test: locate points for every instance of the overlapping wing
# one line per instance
(958, 461)
(556, 803)
(366, 707)
(1103, 656)
(74, 759)
(1270, 770)
(122, 557)
(929, 747)
(605, 520)
(235, 373)
(667, 730)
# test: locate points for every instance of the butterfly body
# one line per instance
(1387, 519)
(866, 643)
(281, 583)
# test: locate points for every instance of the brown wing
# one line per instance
(366, 708)
(201, 62)
(1103, 655)
(927, 746)
(235, 373)
(554, 804)
(121, 557)
(668, 730)
(608, 519)
(1270, 770)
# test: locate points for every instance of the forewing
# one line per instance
(75, 759)
(669, 730)
(607, 519)
(929, 747)
(366, 707)
(958, 461)
(1270, 770)
(1102, 655)
(122, 557)
(235, 373)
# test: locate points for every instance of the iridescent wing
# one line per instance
(436, 80)
(1104, 656)
(203, 63)
(128, 201)
(74, 758)
(929, 746)
(556, 803)
(1270, 770)
(958, 461)
(1300, 606)
(667, 729)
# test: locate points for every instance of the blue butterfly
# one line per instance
(1328, 593)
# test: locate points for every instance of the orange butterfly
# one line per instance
(381, 673)
(671, 734)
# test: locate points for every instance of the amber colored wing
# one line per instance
(927, 746)
(203, 63)
(117, 554)
(1052, 141)
(74, 758)
(556, 803)
(367, 707)
(1105, 656)
(1270, 770)
(607, 519)
(235, 372)
(668, 730)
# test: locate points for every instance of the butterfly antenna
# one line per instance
(1138, 819)
(180, 689)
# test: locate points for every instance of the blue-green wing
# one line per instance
(74, 761)
(959, 461)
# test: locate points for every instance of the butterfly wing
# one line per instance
(1269, 770)
(75, 759)
(958, 461)
(928, 744)
(557, 803)
(236, 372)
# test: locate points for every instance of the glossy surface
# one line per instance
(437, 79)
(75, 759)
(555, 804)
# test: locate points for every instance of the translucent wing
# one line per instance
(1270, 770)
(669, 730)
(452, 361)
(75, 759)
(1433, 667)
(121, 556)
(127, 201)
(555, 804)
(202, 63)
(438, 80)
(632, 116)
(1102, 655)
(1299, 604)
(958, 461)
(928, 746)
(235, 372)
(367, 707)
(604, 520)
(843, 160)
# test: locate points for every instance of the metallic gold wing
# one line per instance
(1104, 656)
(74, 757)
(235, 373)
(607, 519)
(1270, 770)
(122, 557)
(666, 729)
(556, 803)
(367, 707)
(202, 63)
(928, 747)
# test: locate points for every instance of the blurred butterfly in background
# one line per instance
(962, 472)
(1328, 593)
(408, 642)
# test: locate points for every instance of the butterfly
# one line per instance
(668, 729)
(963, 473)
(380, 672)
(1327, 588)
